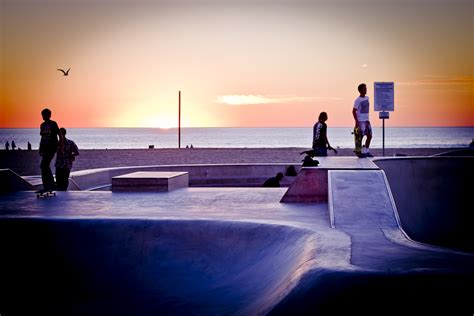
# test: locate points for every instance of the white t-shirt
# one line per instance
(361, 104)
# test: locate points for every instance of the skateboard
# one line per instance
(45, 193)
(358, 142)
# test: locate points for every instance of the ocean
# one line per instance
(128, 138)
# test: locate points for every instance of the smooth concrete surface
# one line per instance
(218, 251)
(139, 267)
(154, 181)
(359, 199)
(434, 198)
(346, 163)
(394, 275)
(190, 251)
(311, 183)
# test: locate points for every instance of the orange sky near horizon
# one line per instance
(237, 63)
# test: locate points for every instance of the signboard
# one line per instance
(383, 96)
(384, 115)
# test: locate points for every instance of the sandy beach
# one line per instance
(27, 162)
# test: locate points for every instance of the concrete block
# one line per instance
(311, 185)
(158, 181)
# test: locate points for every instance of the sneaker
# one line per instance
(369, 155)
(361, 155)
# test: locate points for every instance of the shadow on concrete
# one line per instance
(147, 267)
(434, 198)
(418, 292)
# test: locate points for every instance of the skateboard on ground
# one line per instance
(358, 142)
(45, 193)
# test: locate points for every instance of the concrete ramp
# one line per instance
(147, 267)
(434, 198)
(10, 181)
(360, 199)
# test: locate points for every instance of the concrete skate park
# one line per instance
(381, 236)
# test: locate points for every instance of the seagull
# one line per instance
(65, 72)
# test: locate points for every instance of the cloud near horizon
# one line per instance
(249, 99)
(469, 80)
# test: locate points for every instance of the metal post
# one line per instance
(383, 137)
(179, 119)
(383, 115)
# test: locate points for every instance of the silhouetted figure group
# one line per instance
(54, 142)
(7, 145)
(13, 145)
(360, 112)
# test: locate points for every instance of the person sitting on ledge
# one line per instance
(291, 171)
(274, 182)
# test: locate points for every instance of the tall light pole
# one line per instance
(179, 119)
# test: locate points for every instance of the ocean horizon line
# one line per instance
(235, 127)
(141, 137)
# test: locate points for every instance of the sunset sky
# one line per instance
(237, 63)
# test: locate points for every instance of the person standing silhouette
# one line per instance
(49, 132)
(360, 112)
(13, 145)
(7, 145)
(67, 152)
(29, 146)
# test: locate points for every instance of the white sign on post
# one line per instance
(383, 96)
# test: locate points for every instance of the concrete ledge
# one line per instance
(311, 183)
(10, 181)
(204, 175)
(160, 181)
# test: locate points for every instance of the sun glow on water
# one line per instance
(163, 122)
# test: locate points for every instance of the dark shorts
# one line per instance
(321, 151)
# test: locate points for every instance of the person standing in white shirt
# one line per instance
(361, 117)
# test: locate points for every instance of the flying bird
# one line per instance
(65, 72)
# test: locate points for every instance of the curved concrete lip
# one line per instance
(243, 260)
(166, 266)
(294, 243)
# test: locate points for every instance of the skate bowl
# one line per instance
(147, 267)
(433, 196)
